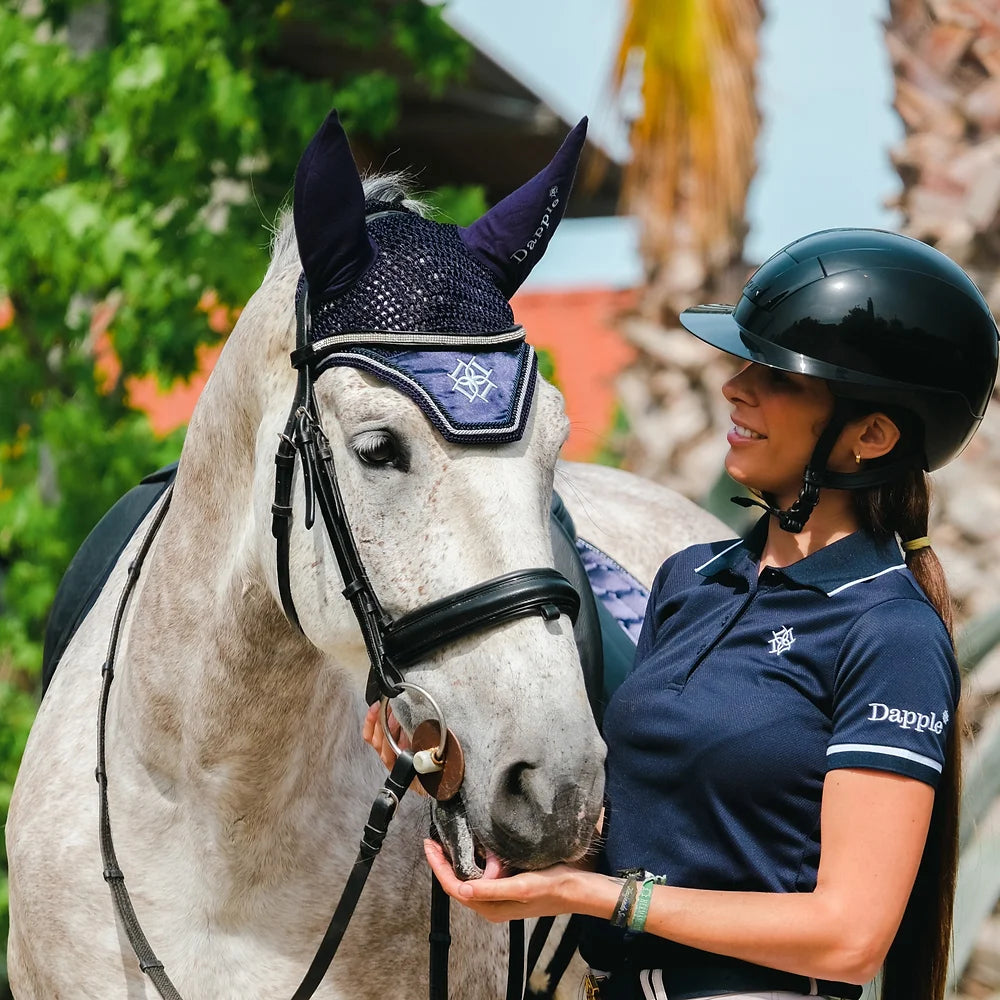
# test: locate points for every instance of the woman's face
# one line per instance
(777, 419)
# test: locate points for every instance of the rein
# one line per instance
(392, 644)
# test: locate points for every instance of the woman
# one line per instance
(784, 757)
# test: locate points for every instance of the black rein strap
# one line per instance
(113, 874)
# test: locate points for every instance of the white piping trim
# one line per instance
(917, 758)
(813, 987)
(659, 990)
(651, 981)
(864, 579)
(739, 541)
(427, 340)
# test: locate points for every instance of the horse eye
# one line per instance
(379, 450)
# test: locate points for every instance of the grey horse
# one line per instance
(238, 779)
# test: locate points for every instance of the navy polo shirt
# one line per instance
(748, 689)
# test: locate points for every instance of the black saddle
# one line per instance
(603, 645)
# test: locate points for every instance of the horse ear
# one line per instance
(329, 209)
(512, 236)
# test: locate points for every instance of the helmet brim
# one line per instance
(715, 325)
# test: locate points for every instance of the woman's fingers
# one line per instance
(373, 734)
(444, 872)
(528, 894)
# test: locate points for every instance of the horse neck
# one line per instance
(214, 670)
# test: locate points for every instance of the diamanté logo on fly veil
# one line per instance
(543, 226)
(919, 722)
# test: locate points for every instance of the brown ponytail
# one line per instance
(916, 967)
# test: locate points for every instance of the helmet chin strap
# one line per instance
(816, 474)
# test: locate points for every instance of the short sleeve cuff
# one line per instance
(872, 756)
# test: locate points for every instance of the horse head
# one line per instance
(443, 442)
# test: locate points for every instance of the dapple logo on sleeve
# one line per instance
(919, 722)
(520, 255)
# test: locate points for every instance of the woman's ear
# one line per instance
(877, 435)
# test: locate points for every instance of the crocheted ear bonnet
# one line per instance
(420, 304)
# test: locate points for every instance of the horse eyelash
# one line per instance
(368, 443)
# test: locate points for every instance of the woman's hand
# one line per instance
(375, 736)
(546, 893)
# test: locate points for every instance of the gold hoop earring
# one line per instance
(857, 458)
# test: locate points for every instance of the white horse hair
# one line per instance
(238, 780)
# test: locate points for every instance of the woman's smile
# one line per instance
(740, 434)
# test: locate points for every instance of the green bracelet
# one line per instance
(637, 919)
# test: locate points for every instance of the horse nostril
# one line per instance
(516, 779)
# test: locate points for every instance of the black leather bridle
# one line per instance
(392, 644)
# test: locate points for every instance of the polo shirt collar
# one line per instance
(855, 559)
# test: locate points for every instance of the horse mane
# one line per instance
(394, 186)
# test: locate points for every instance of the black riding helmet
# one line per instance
(886, 320)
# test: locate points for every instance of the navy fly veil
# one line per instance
(421, 305)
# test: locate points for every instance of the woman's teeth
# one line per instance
(745, 432)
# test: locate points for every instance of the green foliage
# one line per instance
(612, 449)
(459, 205)
(144, 148)
(547, 366)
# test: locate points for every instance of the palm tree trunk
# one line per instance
(946, 61)
(692, 163)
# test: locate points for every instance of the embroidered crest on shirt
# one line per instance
(471, 379)
(780, 641)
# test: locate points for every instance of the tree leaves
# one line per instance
(145, 148)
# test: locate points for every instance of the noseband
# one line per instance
(392, 643)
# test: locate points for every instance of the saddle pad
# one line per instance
(616, 588)
(621, 608)
(92, 565)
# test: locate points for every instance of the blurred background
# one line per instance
(146, 148)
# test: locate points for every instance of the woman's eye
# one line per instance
(779, 378)
(379, 449)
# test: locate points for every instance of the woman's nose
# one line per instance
(740, 387)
